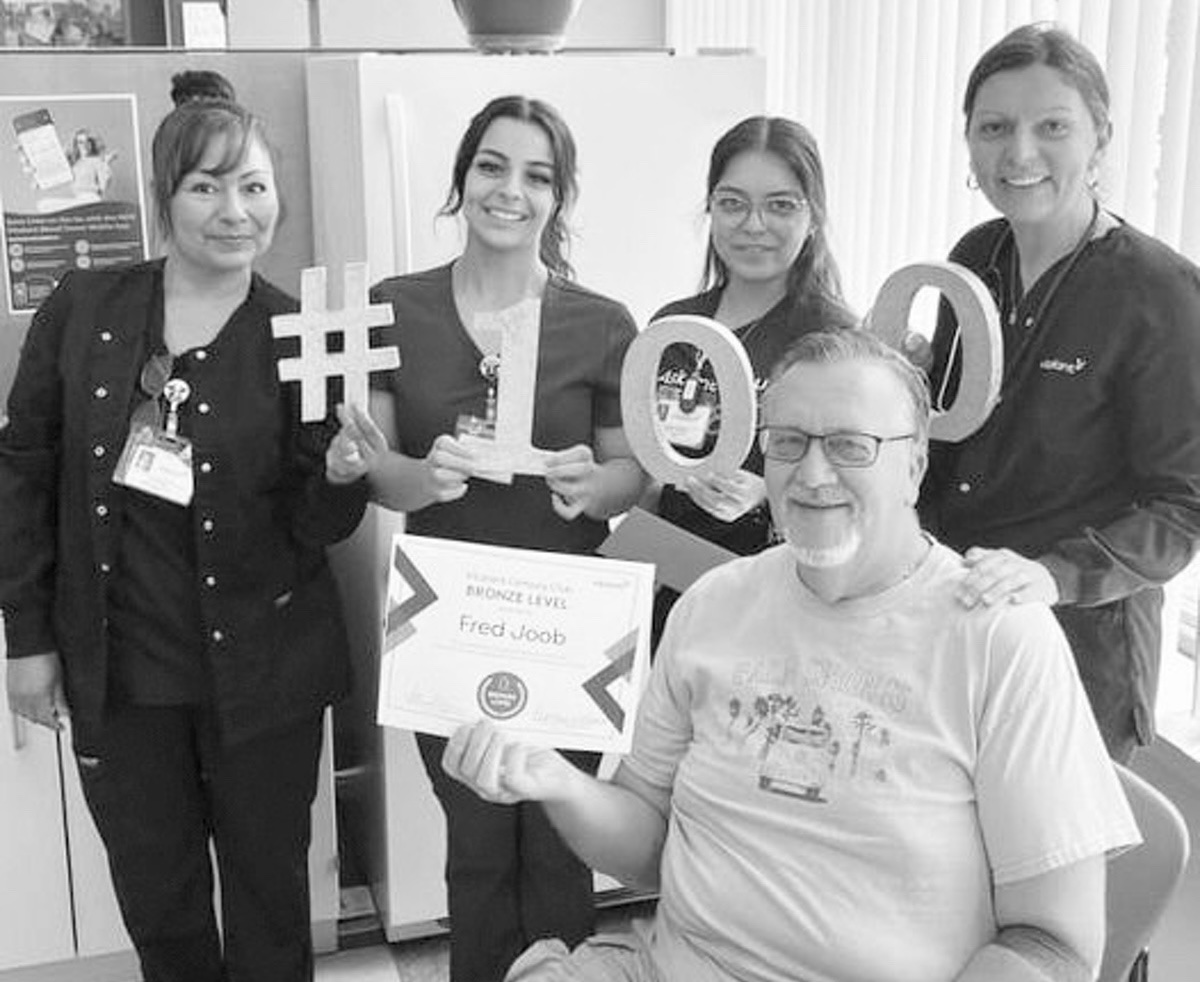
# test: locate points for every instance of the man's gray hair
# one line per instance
(854, 344)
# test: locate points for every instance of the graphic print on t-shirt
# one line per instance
(811, 729)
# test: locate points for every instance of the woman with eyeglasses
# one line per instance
(163, 579)
(510, 878)
(770, 277)
(1082, 489)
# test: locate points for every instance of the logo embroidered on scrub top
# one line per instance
(1064, 367)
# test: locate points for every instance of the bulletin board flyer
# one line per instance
(553, 648)
(70, 190)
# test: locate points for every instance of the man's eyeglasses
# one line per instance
(734, 208)
(789, 444)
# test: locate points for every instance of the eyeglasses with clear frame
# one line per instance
(844, 448)
(734, 208)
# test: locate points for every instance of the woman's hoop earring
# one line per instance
(972, 181)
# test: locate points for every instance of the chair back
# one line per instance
(1141, 881)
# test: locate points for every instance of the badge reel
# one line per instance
(478, 433)
(156, 459)
(482, 427)
(684, 412)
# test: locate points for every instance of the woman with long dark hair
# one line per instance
(770, 277)
(509, 876)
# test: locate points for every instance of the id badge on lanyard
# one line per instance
(156, 460)
(685, 410)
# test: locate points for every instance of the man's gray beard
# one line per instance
(826, 557)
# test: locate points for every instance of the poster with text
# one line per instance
(70, 190)
(63, 23)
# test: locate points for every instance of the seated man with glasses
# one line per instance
(840, 772)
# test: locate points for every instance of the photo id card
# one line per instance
(682, 427)
(157, 463)
(478, 435)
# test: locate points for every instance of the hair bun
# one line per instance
(201, 85)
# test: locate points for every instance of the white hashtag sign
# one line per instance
(313, 326)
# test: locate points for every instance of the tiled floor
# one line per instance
(412, 961)
(427, 960)
(366, 957)
(360, 964)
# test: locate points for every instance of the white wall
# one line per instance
(423, 24)
(268, 23)
(619, 24)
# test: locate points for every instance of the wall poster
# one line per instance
(70, 190)
(63, 23)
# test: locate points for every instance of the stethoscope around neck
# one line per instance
(994, 278)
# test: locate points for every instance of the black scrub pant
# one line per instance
(161, 787)
(510, 879)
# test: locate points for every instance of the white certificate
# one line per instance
(553, 648)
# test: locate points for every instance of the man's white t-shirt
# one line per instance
(847, 782)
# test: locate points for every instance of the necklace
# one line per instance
(1033, 322)
(1005, 294)
(913, 564)
(1015, 302)
(749, 328)
(690, 395)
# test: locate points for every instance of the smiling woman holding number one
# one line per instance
(503, 329)
(164, 515)
(1082, 489)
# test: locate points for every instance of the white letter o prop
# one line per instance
(979, 329)
(639, 397)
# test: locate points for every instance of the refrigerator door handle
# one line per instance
(20, 733)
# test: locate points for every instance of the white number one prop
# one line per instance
(510, 450)
(316, 322)
(639, 398)
(520, 333)
(979, 332)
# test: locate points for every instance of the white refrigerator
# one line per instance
(383, 130)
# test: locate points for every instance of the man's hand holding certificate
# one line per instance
(553, 648)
